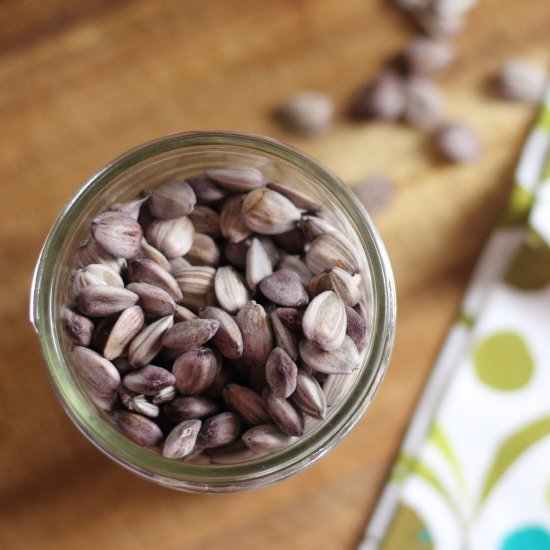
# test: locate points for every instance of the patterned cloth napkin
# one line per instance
(474, 467)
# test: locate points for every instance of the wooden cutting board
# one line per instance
(83, 81)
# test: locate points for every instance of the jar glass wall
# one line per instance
(184, 155)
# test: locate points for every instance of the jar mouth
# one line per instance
(212, 477)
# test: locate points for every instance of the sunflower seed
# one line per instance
(146, 345)
(307, 113)
(103, 300)
(425, 105)
(258, 264)
(425, 55)
(195, 281)
(339, 281)
(195, 370)
(299, 199)
(332, 250)
(336, 386)
(90, 252)
(232, 225)
(140, 405)
(267, 437)
(284, 288)
(228, 338)
(204, 251)
(344, 360)
(79, 328)
(99, 376)
(313, 226)
(268, 212)
(153, 299)
(149, 380)
(131, 208)
(95, 274)
(257, 334)
(177, 264)
(206, 220)
(294, 263)
(230, 290)
(270, 248)
(172, 199)
(309, 396)
(184, 314)
(188, 407)
(206, 191)
(126, 327)
(190, 334)
(165, 395)
(139, 429)
(520, 80)
(181, 440)
(247, 403)
(148, 271)
(172, 237)
(384, 98)
(458, 143)
(237, 179)
(281, 373)
(220, 429)
(284, 337)
(325, 321)
(287, 418)
(118, 234)
(356, 327)
(151, 253)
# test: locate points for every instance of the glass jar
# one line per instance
(183, 155)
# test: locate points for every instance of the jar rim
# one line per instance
(188, 476)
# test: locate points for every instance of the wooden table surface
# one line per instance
(83, 81)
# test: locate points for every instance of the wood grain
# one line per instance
(84, 81)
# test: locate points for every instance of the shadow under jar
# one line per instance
(182, 156)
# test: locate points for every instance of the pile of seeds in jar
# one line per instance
(218, 318)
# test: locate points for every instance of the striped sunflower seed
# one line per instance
(190, 334)
(230, 289)
(151, 253)
(172, 199)
(149, 380)
(95, 274)
(247, 403)
(284, 287)
(267, 437)
(325, 321)
(285, 338)
(336, 387)
(344, 360)
(257, 334)
(339, 281)
(204, 251)
(287, 418)
(153, 300)
(281, 372)
(206, 220)
(125, 328)
(148, 271)
(332, 250)
(258, 264)
(181, 440)
(146, 345)
(103, 300)
(118, 234)
(228, 338)
(139, 429)
(220, 429)
(232, 225)
(268, 212)
(90, 252)
(195, 370)
(172, 237)
(309, 396)
(237, 179)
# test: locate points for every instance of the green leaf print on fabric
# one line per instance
(407, 531)
(503, 361)
(530, 268)
(511, 450)
(439, 439)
